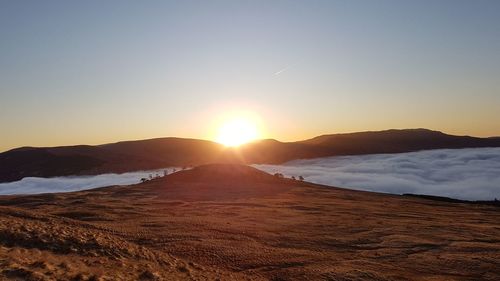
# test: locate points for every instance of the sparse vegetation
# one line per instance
(279, 175)
(157, 175)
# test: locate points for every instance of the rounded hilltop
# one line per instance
(214, 182)
(222, 173)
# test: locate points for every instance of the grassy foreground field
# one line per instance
(233, 222)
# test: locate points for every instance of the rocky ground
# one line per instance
(233, 222)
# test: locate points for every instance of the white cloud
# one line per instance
(471, 174)
(33, 185)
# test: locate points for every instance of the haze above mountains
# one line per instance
(167, 152)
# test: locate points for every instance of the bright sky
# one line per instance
(93, 72)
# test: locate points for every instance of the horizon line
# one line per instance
(256, 140)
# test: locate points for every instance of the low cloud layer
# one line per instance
(33, 185)
(470, 174)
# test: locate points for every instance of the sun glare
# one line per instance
(237, 131)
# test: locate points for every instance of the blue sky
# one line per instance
(101, 71)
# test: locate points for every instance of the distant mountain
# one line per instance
(164, 152)
(116, 157)
(388, 141)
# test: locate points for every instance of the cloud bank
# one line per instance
(34, 185)
(470, 174)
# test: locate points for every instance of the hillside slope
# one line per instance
(164, 152)
(234, 222)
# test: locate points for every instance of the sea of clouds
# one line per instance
(34, 185)
(470, 174)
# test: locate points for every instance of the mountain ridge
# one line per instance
(126, 156)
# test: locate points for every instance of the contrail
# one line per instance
(280, 71)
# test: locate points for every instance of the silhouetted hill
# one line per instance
(164, 152)
(388, 141)
(395, 141)
(171, 151)
(39, 162)
(222, 173)
(116, 157)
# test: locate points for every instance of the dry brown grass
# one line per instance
(233, 222)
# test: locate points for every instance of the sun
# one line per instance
(237, 131)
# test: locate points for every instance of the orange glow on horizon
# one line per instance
(236, 127)
(237, 131)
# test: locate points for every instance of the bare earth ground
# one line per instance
(232, 222)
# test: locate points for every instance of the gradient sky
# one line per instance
(102, 71)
